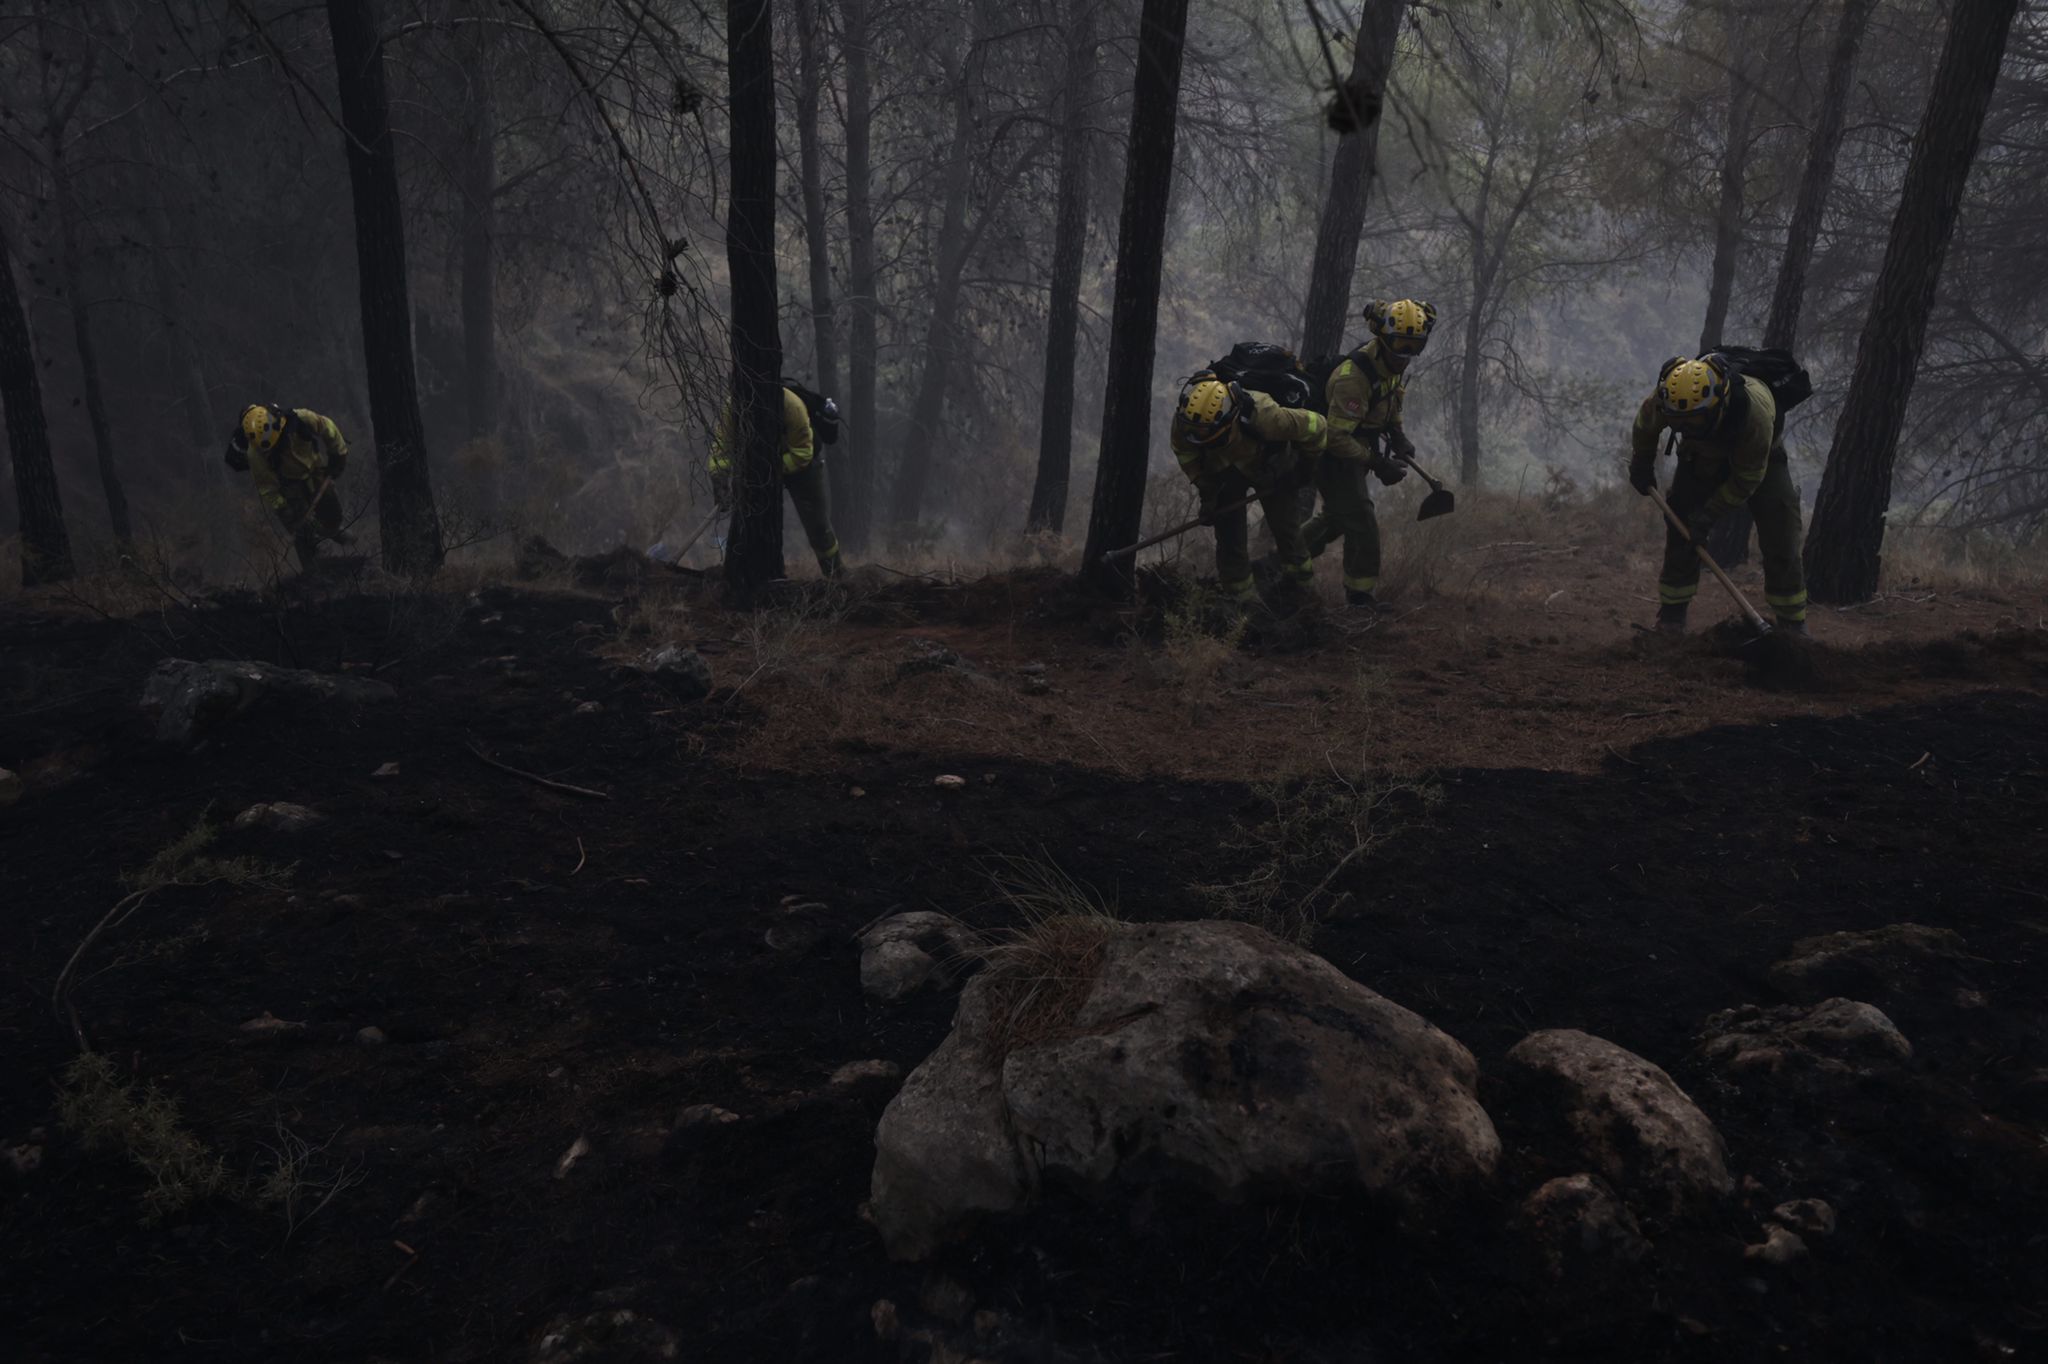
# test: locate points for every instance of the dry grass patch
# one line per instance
(141, 1123)
(1039, 978)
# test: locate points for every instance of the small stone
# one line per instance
(385, 773)
(1033, 670)
(988, 779)
(856, 792)
(280, 817)
(1781, 1246)
(590, 708)
(949, 782)
(683, 672)
(705, 1115)
(10, 787)
(372, 1036)
(1970, 999)
(946, 1298)
(893, 970)
(269, 1023)
(1807, 1216)
(861, 1072)
(578, 1149)
(25, 1158)
(351, 901)
(1037, 686)
(887, 1324)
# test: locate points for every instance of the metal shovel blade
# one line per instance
(1442, 502)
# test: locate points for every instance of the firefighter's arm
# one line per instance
(1306, 431)
(1751, 458)
(264, 469)
(237, 455)
(798, 445)
(1397, 439)
(1642, 438)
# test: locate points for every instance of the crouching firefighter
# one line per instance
(294, 455)
(808, 420)
(1233, 442)
(1730, 431)
(1365, 394)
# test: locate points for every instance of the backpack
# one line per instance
(1269, 369)
(824, 412)
(1781, 373)
(1319, 371)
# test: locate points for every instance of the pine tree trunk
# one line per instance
(1469, 365)
(753, 556)
(1328, 305)
(1119, 505)
(45, 546)
(73, 264)
(928, 409)
(1729, 543)
(479, 251)
(405, 494)
(1734, 161)
(810, 81)
(855, 516)
(1070, 242)
(1844, 547)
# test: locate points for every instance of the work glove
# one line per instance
(1699, 524)
(237, 459)
(1388, 470)
(1643, 478)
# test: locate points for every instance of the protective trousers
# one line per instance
(309, 519)
(811, 495)
(1347, 516)
(1276, 495)
(1779, 534)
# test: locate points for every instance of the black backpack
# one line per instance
(1269, 369)
(824, 412)
(1319, 371)
(1781, 373)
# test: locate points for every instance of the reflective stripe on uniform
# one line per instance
(1241, 588)
(1360, 584)
(1302, 571)
(1676, 596)
(1789, 606)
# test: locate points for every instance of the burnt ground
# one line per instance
(547, 967)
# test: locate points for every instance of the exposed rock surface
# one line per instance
(904, 953)
(683, 672)
(1835, 1038)
(279, 817)
(1581, 1231)
(1209, 1055)
(1622, 1116)
(189, 700)
(1878, 964)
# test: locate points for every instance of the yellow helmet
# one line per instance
(1403, 325)
(1692, 390)
(1208, 409)
(261, 426)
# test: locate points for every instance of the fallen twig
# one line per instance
(534, 777)
(60, 993)
(581, 857)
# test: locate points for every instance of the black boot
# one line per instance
(1671, 618)
(1364, 601)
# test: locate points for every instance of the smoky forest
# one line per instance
(1045, 682)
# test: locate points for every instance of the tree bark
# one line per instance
(1048, 511)
(479, 248)
(405, 494)
(1734, 161)
(855, 515)
(810, 158)
(1844, 547)
(1119, 504)
(753, 555)
(1729, 542)
(45, 545)
(1328, 305)
(928, 409)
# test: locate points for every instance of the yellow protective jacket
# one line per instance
(310, 452)
(798, 448)
(1365, 398)
(1747, 448)
(1257, 443)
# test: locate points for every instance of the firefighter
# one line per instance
(294, 455)
(1232, 442)
(1730, 452)
(1365, 395)
(803, 477)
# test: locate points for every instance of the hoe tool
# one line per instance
(690, 543)
(1440, 502)
(1756, 621)
(1130, 551)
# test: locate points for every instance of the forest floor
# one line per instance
(1632, 831)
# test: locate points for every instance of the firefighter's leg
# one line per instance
(1233, 538)
(812, 497)
(1347, 507)
(1279, 497)
(1779, 535)
(1679, 581)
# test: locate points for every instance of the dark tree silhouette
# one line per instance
(1119, 505)
(810, 80)
(405, 495)
(1734, 165)
(45, 546)
(856, 515)
(1070, 240)
(1843, 548)
(753, 556)
(479, 182)
(1328, 305)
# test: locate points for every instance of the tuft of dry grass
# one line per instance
(1039, 978)
(144, 1125)
(1933, 558)
(1203, 635)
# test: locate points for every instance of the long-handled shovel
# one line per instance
(1440, 502)
(690, 543)
(1128, 551)
(1757, 622)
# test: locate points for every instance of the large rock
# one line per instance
(1623, 1117)
(1837, 1038)
(189, 700)
(1880, 963)
(1208, 1055)
(904, 953)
